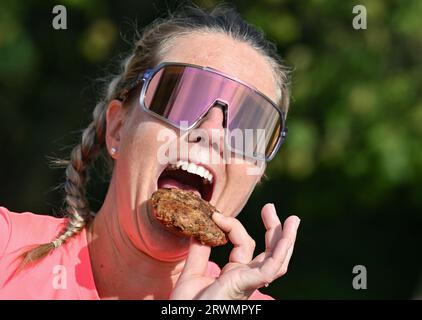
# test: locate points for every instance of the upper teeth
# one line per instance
(193, 168)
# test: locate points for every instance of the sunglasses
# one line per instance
(182, 94)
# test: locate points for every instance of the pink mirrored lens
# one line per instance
(179, 93)
(184, 93)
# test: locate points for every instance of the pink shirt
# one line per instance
(66, 273)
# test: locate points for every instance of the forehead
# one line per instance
(221, 52)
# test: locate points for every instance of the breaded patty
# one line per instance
(185, 212)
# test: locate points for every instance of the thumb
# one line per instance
(197, 260)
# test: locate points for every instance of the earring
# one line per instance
(113, 150)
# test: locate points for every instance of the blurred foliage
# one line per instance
(351, 167)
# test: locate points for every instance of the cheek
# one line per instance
(240, 185)
(137, 165)
(141, 142)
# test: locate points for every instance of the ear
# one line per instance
(115, 116)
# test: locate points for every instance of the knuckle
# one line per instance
(252, 243)
(236, 222)
(232, 221)
(283, 271)
(237, 225)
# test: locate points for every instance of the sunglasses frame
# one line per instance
(146, 77)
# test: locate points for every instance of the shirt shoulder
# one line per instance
(65, 273)
(19, 229)
(5, 230)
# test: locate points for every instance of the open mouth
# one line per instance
(188, 176)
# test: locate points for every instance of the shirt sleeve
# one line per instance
(258, 295)
(5, 230)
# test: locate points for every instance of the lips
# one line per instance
(189, 176)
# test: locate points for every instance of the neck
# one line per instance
(122, 271)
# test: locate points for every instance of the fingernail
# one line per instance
(217, 214)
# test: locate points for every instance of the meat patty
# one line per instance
(188, 214)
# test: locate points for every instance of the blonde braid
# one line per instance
(93, 139)
(79, 214)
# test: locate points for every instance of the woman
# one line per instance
(216, 73)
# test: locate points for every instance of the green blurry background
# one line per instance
(352, 164)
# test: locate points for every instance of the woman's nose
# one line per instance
(212, 125)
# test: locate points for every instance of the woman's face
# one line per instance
(138, 171)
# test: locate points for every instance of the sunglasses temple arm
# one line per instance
(284, 134)
(133, 84)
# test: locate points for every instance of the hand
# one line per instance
(242, 275)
